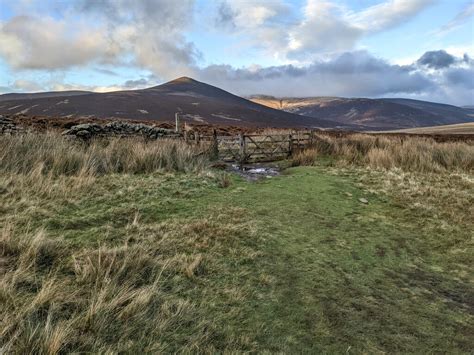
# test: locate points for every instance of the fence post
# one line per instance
(242, 151)
(197, 138)
(215, 146)
(311, 138)
(176, 118)
(290, 145)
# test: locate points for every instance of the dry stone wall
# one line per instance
(8, 126)
(119, 129)
(85, 131)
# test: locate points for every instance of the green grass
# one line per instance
(290, 264)
(349, 275)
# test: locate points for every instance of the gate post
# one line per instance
(176, 118)
(242, 150)
(215, 146)
(290, 145)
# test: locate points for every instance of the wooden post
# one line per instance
(185, 136)
(215, 146)
(242, 150)
(311, 138)
(290, 145)
(176, 117)
(197, 138)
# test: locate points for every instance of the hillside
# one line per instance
(372, 113)
(460, 128)
(202, 103)
(198, 102)
(39, 95)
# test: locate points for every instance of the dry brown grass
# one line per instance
(460, 128)
(96, 261)
(50, 153)
(447, 198)
(408, 153)
(428, 178)
(57, 298)
(131, 294)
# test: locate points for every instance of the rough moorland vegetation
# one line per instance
(51, 153)
(129, 246)
(384, 152)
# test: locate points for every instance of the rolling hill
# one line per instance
(376, 114)
(198, 102)
(39, 95)
(202, 103)
(460, 128)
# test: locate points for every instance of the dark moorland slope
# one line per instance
(379, 114)
(198, 102)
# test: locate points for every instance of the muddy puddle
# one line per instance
(254, 172)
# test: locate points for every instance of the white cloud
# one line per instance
(459, 51)
(27, 86)
(251, 14)
(28, 42)
(324, 27)
(68, 87)
(330, 27)
(388, 14)
(351, 74)
(320, 42)
(148, 34)
(151, 34)
(57, 84)
(460, 19)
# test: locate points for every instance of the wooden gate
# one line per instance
(229, 148)
(248, 148)
(267, 147)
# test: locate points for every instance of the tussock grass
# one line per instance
(428, 178)
(50, 153)
(127, 290)
(133, 296)
(100, 253)
(381, 152)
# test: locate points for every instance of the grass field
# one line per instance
(461, 128)
(185, 258)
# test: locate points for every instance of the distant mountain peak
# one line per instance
(183, 79)
(199, 102)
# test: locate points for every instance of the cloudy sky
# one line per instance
(357, 48)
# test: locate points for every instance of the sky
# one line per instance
(421, 49)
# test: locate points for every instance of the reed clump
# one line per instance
(414, 154)
(51, 153)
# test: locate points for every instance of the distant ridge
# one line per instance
(391, 113)
(201, 103)
(196, 101)
(39, 95)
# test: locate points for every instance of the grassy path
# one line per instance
(347, 275)
(293, 264)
